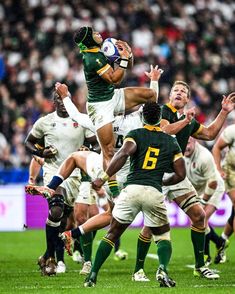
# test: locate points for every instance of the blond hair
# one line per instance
(183, 84)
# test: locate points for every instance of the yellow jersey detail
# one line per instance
(153, 128)
(198, 131)
(103, 69)
(93, 50)
(171, 107)
(129, 140)
(177, 156)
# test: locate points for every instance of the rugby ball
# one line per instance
(110, 50)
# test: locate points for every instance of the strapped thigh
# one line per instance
(187, 203)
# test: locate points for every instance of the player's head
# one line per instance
(85, 37)
(180, 94)
(59, 105)
(190, 147)
(151, 114)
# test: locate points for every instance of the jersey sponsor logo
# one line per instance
(53, 125)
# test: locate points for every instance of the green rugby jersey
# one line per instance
(95, 64)
(169, 113)
(155, 154)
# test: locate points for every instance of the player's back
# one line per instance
(155, 154)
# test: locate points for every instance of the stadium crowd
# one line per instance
(191, 40)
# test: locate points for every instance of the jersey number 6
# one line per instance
(150, 162)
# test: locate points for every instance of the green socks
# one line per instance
(102, 254)
(113, 187)
(164, 251)
(86, 244)
(143, 245)
(198, 239)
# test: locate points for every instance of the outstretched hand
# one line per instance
(228, 102)
(155, 73)
(61, 90)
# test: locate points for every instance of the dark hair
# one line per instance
(84, 36)
(152, 113)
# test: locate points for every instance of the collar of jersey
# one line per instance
(171, 107)
(93, 50)
(153, 128)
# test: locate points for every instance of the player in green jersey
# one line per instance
(182, 123)
(151, 152)
(103, 101)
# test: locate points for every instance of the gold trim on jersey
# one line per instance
(173, 109)
(177, 156)
(103, 69)
(93, 50)
(198, 131)
(128, 139)
(153, 128)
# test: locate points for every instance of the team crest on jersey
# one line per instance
(75, 125)
(98, 61)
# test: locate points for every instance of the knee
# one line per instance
(198, 216)
(56, 213)
(56, 208)
(146, 232)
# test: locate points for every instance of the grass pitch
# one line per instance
(19, 272)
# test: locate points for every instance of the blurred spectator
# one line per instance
(191, 40)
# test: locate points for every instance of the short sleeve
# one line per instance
(228, 134)
(37, 130)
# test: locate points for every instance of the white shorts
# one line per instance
(136, 198)
(180, 189)
(103, 113)
(71, 186)
(86, 195)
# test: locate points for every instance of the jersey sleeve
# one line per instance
(89, 133)
(81, 118)
(100, 64)
(131, 137)
(197, 127)
(177, 152)
(37, 130)
(228, 135)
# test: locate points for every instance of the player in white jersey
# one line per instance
(226, 167)
(62, 136)
(203, 174)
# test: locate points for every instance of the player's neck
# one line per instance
(62, 114)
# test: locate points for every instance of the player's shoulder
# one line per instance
(203, 154)
(230, 130)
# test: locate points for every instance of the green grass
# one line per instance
(19, 273)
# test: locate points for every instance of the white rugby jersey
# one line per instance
(122, 125)
(228, 135)
(65, 134)
(200, 168)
